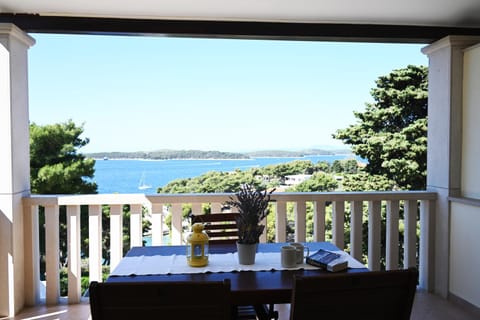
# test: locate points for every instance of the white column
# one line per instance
(14, 163)
(445, 88)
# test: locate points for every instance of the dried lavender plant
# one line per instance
(252, 206)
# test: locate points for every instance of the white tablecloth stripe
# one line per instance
(226, 262)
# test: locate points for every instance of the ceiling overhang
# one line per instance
(235, 29)
(347, 20)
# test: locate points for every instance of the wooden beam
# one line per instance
(35, 23)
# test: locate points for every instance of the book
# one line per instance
(327, 260)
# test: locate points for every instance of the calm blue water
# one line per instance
(124, 176)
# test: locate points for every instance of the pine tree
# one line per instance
(392, 132)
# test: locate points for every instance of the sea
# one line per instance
(145, 176)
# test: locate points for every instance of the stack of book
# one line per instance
(328, 260)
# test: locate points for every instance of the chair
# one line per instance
(160, 300)
(222, 229)
(364, 295)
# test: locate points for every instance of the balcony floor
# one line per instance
(426, 307)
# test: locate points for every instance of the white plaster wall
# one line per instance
(470, 185)
(464, 275)
(465, 253)
(439, 96)
(5, 117)
(445, 80)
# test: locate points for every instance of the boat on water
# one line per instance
(142, 185)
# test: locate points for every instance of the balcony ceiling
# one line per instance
(439, 13)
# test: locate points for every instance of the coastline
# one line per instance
(192, 154)
(123, 175)
(231, 159)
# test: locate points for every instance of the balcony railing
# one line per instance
(418, 212)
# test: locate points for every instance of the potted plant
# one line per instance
(252, 204)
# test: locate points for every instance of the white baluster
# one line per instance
(52, 245)
(338, 221)
(116, 235)
(32, 255)
(157, 224)
(319, 221)
(136, 232)
(300, 221)
(374, 233)
(427, 240)
(281, 221)
(392, 235)
(95, 242)
(410, 234)
(177, 220)
(356, 232)
(74, 260)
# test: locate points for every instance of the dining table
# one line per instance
(265, 282)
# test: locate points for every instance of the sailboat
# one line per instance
(142, 185)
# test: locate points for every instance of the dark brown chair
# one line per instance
(160, 300)
(376, 295)
(220, 227)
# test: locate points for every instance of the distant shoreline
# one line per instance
(212, 155)
(227, 159)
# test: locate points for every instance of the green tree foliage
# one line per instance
(366, 182)
(211, 182)
(289, 168)
(57, 168)
(392, 135)
(146, 226)
(322, 166)
(337, 166)
(319, 182)
(349, 166)
(392, 132)
(269, 177)
(55, 165)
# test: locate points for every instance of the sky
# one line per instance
(151, 93)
